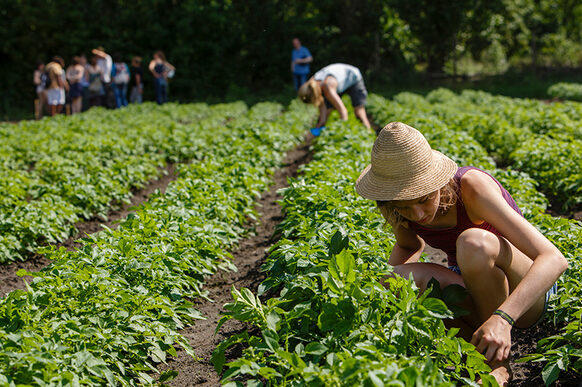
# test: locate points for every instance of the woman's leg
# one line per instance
(124, 94)
(77, 104)
(360, 112)
(117, 93)
(165, 93)
(492, 268)
(158, 90)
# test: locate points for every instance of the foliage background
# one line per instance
(235, 47)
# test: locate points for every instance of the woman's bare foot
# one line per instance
(501, 371)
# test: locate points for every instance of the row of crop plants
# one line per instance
(329, 321)
(58, 171)
(544, 140)
(106, 313)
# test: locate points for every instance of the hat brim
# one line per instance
(374, 187)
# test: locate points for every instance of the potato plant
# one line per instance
(568, 91)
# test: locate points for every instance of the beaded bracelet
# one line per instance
(504, 316)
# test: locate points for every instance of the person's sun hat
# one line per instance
(404, 167)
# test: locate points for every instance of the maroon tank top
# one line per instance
(446, 238)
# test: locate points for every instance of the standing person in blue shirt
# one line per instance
(326, 87)
(300, 59)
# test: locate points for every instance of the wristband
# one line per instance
(504, 316)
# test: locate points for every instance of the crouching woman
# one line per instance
(507, 266)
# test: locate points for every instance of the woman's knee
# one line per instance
(475, 248)
(423, 273)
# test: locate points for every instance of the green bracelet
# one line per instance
(504, 316)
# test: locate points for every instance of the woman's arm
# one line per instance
(323, 115)
(408, 247)
(329, 88)
(99, 53)
(170, 66)
(151, 68)
(36, 77)
(81, 74)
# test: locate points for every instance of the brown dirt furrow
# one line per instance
(248, 258)
(10, 281)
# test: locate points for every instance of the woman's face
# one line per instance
(422, 210)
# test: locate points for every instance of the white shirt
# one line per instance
(346, 75)
(106, 64)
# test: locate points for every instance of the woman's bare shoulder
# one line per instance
(476, 183)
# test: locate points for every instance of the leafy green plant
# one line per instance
(570, 91)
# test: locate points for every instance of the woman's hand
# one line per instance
(493, 339)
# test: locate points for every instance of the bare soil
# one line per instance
(248, 258)
(10, 281)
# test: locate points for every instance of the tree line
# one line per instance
(221, 46)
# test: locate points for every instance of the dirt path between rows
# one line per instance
(10, 281)
(248, 258)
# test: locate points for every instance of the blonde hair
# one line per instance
(310, 92)
(448, 198)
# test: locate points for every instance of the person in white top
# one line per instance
(105, 63)
(326, 87)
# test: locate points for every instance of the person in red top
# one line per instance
(507, 266)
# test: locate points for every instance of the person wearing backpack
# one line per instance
(55, 90)
(120, 80)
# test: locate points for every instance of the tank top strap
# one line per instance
(462, 216)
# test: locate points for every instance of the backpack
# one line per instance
(121, 73)
(95, 85)
(45, 80)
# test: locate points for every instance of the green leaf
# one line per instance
(168, 375)
(346, 265)
(338, 243)
(315, 348)
(550, 373)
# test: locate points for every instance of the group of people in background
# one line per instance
(102, 81)
(326, 87)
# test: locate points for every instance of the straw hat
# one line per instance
(404, 167)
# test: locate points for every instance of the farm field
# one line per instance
(112, 312)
